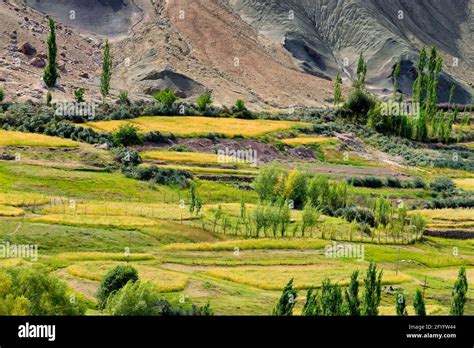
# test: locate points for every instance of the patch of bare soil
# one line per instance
(86, 287)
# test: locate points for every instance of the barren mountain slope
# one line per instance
(326, 36)
(270, 53)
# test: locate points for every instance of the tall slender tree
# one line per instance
(459, 293)
(287, 301)
(372, 291)
(361, 71)
(401, 303)
(352, 295)
(311, 306)
(50, 74)
(106, 74)
(419, 303)
(337, 90)
(396, 74)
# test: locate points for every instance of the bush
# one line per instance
(123, 98)
(157, 137)
(240, 105)
(140, 299)
(127, 135)
(2, 95)
(166, 97)
(113, 281)
(32, 291)
(394, 182)
(180, 148)
(163, 176)
(454, 202)
(358, 104)
(203, 101)
(127, 157)
(358, 214)
(419, 183)
(79, 95)
(442, 185)
(367, 181)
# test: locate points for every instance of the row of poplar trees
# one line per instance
(333, 300)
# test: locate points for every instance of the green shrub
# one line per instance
(127, 135)
(180, 148)
(2, 94)
(203, 101)
(113, 281)
(157, 137)
(162, 176)
(394, 182)
(127, 157)
(123, 98)
(240, 105)
(367, 181)
(442, 185)
(140, 299)
(358, 104)
(166, 97)
(32, 291)
(79, 95)
(358, 214)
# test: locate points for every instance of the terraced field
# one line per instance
(186, 126)
(87, 221)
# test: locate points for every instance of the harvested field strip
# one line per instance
(12, 138)
(164, 280)
(11, 211)
(184, 125)
(160, 211)
(95, 220)
(276, 277)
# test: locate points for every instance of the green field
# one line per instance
(87, 217)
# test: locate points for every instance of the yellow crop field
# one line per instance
(250, 244)
(163, 280)
(109, 210)
(208, 170)
(465, 184)
(186, 157)
(10, 211)
(19, 199)
(184, 125)
(276, 277)
(95, 220)
(12, 138)
(98, 256)
(447, 214)
(308, 140)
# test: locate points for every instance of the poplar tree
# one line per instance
(50, 74)
(337, 90)
(361, 71)
(396, 74)
(106, 74)
(401, 304)
(331, 299)
(419, 303)
(459, 293)
(372, 291)
(352, 295)
(311, 306)
(287, 301)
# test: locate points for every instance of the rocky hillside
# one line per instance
(273, 54)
